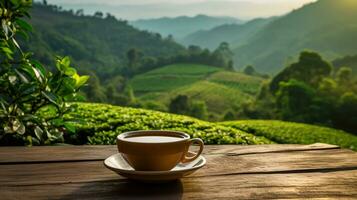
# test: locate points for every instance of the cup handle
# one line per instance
(186, 159)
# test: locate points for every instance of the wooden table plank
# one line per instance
(335, 185)
(284, 162)
(100, 152)
(316, 171)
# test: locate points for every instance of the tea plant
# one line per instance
(102, 124)
(32, 99)
(295, 133)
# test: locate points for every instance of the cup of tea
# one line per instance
(156, 150)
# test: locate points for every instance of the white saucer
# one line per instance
(119, 165)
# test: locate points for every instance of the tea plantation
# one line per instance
(294, 133)
(220, 89)
(101, 123)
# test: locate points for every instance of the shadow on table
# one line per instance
(126, 189)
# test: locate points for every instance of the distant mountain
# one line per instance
(326, 26)
(96, 43)
(234, 34)
(179, 27)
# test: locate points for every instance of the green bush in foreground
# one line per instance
(294, 133)
(102, 123)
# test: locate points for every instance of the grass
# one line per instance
(295, 133)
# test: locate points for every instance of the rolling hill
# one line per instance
(326, 26)
(179, 27)
(234, 34)
(219, 89)
(97, 43)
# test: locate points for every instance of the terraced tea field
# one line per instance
(219, 89)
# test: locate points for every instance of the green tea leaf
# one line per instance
(24, 25)
(66, 61)
(70, 127)
(38, 132)
(50, 96)
(81, 81)
(70, 71)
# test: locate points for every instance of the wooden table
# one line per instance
(232, 172)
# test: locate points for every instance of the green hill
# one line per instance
(182, 26)
(325, 26)
(234, 34)
(170, 77)
(101, 124)
(218, 97)
(97, 43)
(219, 89)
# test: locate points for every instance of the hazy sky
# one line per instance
(135, 9)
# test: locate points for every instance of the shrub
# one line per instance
(295, 133)
(102, 123)
(32, 99)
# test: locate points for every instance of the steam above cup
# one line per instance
(156, 150)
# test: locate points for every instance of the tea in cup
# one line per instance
(156, 150)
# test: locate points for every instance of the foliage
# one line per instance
(27, 89)
(295, 133)
(310, 69)
(96, 43)
(308, 91)
(350, 61)
(102, 123)
(180, 105)
(249, 70)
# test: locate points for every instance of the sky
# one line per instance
(144, 9)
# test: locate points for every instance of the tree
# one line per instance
(346, 114)
(180, 105)
(223, 56)
(294, 99)
(80, 12)
(33, 100)
(94, 91)
(249, 70)
(310, 69)
(229, 115)
(344, 76)
(199, 110)
(98, 14)
(133, 57)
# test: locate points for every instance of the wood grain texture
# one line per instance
(100, 152)
(335, 185)
(316, 171)
(268, 163)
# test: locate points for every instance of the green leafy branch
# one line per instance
(33, 100)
